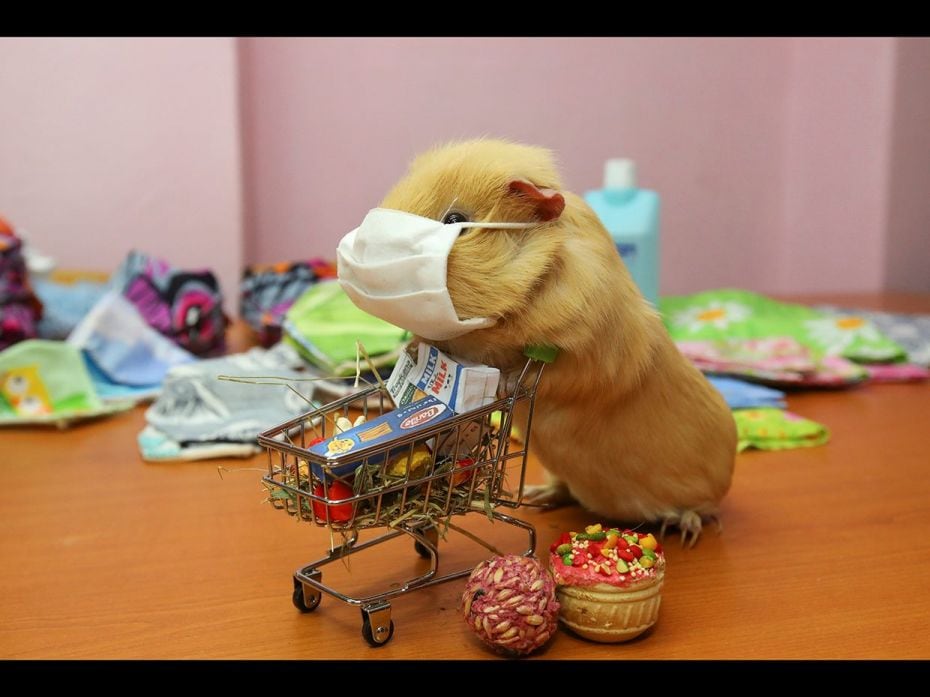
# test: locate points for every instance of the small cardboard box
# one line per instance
(382, 429)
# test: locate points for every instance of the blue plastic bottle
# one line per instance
(631, 216)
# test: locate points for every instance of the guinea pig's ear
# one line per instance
(549, 203)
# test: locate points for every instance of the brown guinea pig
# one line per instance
(623, 423)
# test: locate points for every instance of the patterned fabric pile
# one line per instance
(750, 337)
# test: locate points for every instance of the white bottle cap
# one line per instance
(619, 173)
(36, 262)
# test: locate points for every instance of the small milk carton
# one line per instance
(460, 384)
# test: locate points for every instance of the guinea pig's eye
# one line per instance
(453, 217)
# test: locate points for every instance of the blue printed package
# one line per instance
(401, 421)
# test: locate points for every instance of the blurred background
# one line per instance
(785, 165)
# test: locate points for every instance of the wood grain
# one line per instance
(825, 552)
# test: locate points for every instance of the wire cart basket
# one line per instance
(411, 485)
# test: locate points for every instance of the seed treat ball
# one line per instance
(509, 602)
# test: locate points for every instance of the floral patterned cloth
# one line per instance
(776, 429)
(739, 314)
(912, 332)
(897, 372)
(779, 361)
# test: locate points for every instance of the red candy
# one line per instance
(625, 555)
(564, 538)
(338, 513)
(463, 477)
(636, 551)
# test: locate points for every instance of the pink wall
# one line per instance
(907, 259)
(785, 165)
(835, 165)
(106, 144)
(331, 123)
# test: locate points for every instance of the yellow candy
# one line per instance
(648, 542)
(646, 562)
(592, 529)
(611, 542)
(418, 464)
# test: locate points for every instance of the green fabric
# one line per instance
(769, 428)
(323, 325)
(56, 378)
(740, 314)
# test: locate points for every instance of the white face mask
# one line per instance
(394, 266)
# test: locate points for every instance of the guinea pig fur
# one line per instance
(623, 423)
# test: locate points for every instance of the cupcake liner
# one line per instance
(610, 614)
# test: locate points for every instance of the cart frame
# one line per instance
(469, 457)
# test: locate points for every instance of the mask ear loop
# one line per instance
(448, 209)
(477, 224)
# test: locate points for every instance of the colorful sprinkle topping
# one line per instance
(611, 555)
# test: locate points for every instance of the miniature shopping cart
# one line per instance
(410, 485)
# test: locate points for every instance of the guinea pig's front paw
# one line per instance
(689, 522)
(547, 495)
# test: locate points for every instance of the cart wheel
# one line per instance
(301, 602)
(432, 534)
(380, 638)
(377, 625)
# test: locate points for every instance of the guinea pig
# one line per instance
(623, 423)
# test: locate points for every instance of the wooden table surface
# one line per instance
(825, 552)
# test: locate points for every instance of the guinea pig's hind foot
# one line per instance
(689, 522)
(552, 495)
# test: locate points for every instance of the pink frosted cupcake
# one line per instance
(609, 582)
